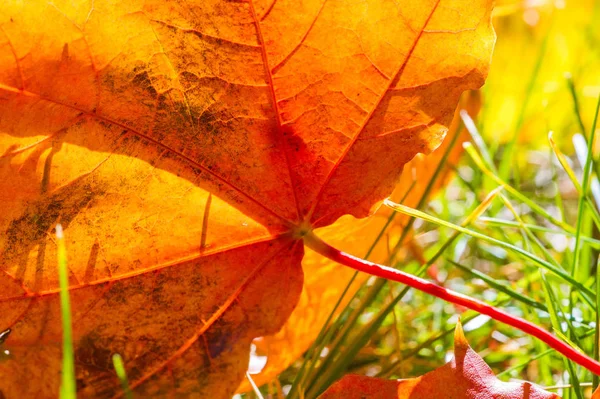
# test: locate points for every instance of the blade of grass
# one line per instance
(483, 149)
(500, 287)
(575, 98)
(539, 356)
(505, 289)
(587, 172)
(564, 162)
(511, 223)
(521, 197)
(254, 387)
(529, 234)
(558, 200)
(544, 250)
(334, 364)
(527, 255)
(581, 150)
(553, 306)
(120, 370)
(563, 386)
(583, 189)
(583, 193)
(478, 140)
(331, 362)
(586, 183)
(525, 363)
(67, 386)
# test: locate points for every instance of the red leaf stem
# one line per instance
(374, 269)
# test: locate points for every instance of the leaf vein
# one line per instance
(396, 76)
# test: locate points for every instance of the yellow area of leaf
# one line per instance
(185, 148)
(467, 376)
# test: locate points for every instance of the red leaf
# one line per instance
(467, 376)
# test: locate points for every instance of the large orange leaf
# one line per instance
(464, 377)
(186, 148)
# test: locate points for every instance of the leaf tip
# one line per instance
(460, 341)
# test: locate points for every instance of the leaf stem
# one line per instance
(374, 269)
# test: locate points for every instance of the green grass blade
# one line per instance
(553, 306)
(581, 150)
(515, 193)
(587, 172)
(120, 370)
(527, 255)
(525, 363)
(500, 287)
(67, 387)
(511, 223)
(575, 98)
(558, 200)
(564, 162)
(478, 140)
(528, 234)
(538, 356)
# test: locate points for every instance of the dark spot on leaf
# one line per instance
(39, 217)
(220, 341)
(189, 80)
(208, 121)
(92, 352)
(142, 80)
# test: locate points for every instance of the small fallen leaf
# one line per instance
(467, 376)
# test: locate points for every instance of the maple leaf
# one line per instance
(466, 376)
(325, 280)
(187, 148)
